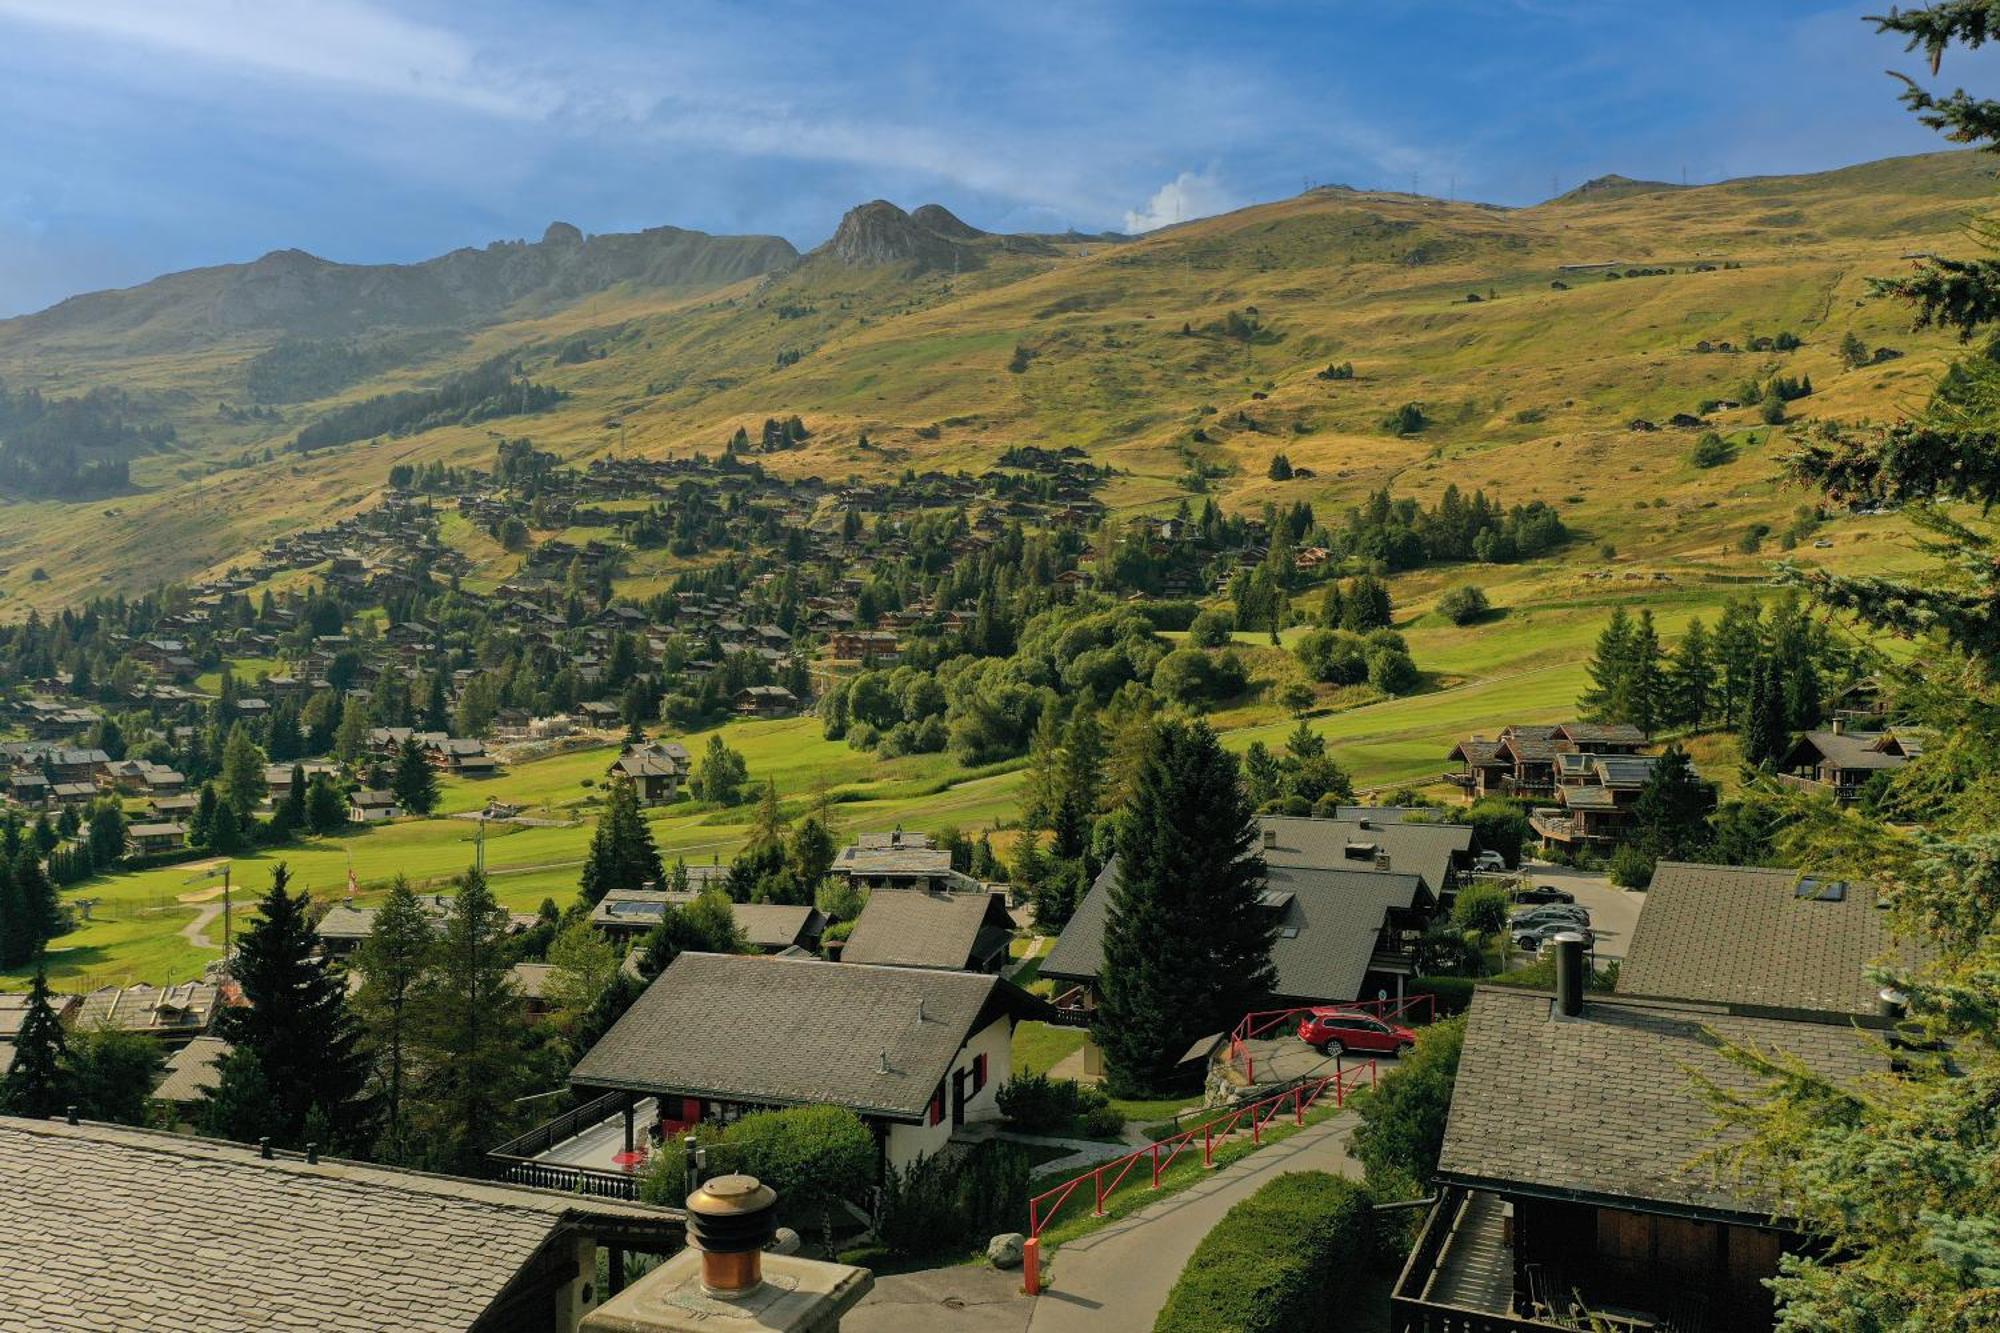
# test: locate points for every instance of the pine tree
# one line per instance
(470, 1035)
(1645, 694)
(38, 1085)
(1765, 733)
(242, 771)
(296, 1019)
(392, 962)
(1080, 786)
(17, 931)
(415, 782)
(1187, 950)
(622, 852)
(350, 738)
(1739, 646)
(326, 808)
(39, 904)
(296, 816)
(1670, 816)
(1691, 678)
(1610, 670)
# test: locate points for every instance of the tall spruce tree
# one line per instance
(1187, 949)
(296, 1021)
(414, 782)
(392, 962)
(243, 783)
(1610, 668)
(622, 852)
(38, 1085)
(1670, 816)
(471, 1035)
(1691, 678)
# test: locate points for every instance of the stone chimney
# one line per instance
(726, 1279)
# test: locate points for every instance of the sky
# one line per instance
(139, 137)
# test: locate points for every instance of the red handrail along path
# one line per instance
(1106, 1177)
(1410, 1008)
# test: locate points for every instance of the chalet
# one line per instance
(334, 1246)
(1840, 762)
(598, 713)
(1637, 1228)
(1342, 934)
(654, 772)
(29, 789)
(1523, 760)
(171, 1013)
(964, 932)
(73, 793)
(878, 646)
(765, 701)
(899, 860)
(152, 839)
(531, 985)
(347, 924)
(369, 806)
(169, 809)
(916, 1052)
(630, 914)
(1597, 793)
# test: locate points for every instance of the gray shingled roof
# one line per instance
(871, 861)
(784, 1032)
(1603, 1106)
(918, 928)
(1337, 914)
(348, 920)
(1744, 936)
(1843, 749)
(777, 925)
(97, 1236)
(1414, 848)
(191, 1070)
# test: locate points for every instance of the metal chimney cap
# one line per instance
(732, 1195)
(1569, 936)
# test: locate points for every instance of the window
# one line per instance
(978, 1072)
(936, 1116)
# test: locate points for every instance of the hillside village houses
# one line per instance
(1591, 773)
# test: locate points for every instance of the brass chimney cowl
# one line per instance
(730, 1221)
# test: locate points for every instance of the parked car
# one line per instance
(1491, 861)
(1544, 893)
(1552, 912)
(1328, 1030)
(1532, 938)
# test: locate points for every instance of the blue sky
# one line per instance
(143, 136)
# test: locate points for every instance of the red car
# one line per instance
(1328, 1030)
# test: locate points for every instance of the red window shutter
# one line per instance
(937, 1107)
(978, 1072)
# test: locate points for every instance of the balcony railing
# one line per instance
(1411, 1306)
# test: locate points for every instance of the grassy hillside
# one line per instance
(1530, 389)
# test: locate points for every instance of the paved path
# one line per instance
(1114, 1280)
(195, 932)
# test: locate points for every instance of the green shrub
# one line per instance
(1402, 1126)
(1463, 606)
(1101, 1122)
(944, 1202)
(1037, 1104)
(1481, 907)
(1711, 450)
(1631, 868)
(809, 1154)
(1452, 994)
(1277, 1260)
(664, 1181)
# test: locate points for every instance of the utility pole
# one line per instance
(479, 845)
(226, 934)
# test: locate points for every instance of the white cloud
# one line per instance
(345, 42)
(1188, 195)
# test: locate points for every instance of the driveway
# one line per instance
(1614, 912)
(1115, 1280)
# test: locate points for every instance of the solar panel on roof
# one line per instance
(630, 909)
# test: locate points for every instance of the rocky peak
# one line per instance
(562, 233)
(938, 218)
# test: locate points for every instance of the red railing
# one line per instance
(1106, 1177)
(1419, 1009)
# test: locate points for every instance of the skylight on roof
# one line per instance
(1821, 890)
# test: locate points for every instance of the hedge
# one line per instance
(1452, 994)
(1275, 1260)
